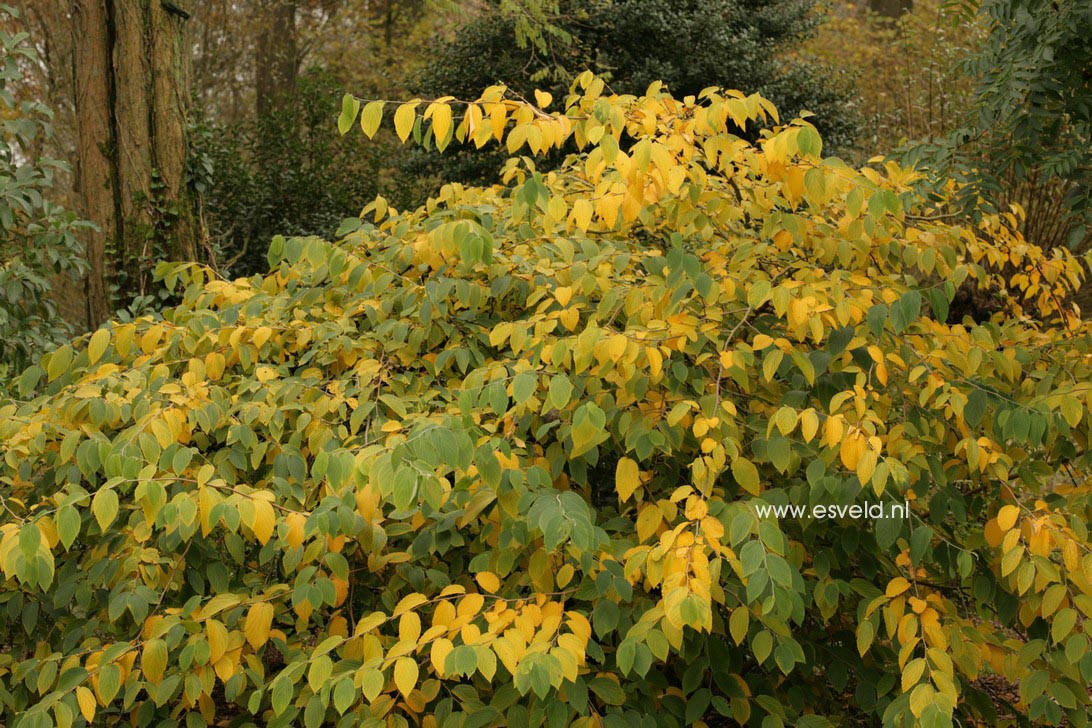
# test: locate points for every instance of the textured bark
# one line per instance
(170, 114)
(96, 179)
(276, 62)
(132, 79)
(131, 94)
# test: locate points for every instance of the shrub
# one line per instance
(500, 460)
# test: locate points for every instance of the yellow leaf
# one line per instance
(921, 698)
(498, 117)
(404, 118)
(833, 430)
(405, 675)
(261, 335)
(408, 603)
(570, 317)
(1006, 517)
(897, 586)
(543, 98)
(655, 361)
(761, 342)
(852, 449)
(627, 478)
(488, 581)
(409, 627)
(259, 618)
(441, 122)
(470, 605)
(563, 294)
(794, 182)
(97, 346)
(218, 639)
(295, 533)
(87, 702)
(912, 674)
(582, 213)
(264, 520)
(809, 424)
(441, 648)
(617, 347)
(648, 520)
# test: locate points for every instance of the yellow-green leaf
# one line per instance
(405, 675)
(627, 478)
(404, 119)
(153, 660)
(371, 118)
(96, 347)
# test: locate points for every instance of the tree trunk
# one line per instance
(96, 174)
(891, 8)
(131, 93)
(276, 62)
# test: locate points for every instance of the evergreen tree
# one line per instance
(689, 45)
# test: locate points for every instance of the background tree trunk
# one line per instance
(131, 107)
(891, 8)
(276, 62)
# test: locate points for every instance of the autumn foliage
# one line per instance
(496, 461)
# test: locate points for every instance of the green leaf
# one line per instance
(762, 645)
(462, 660)
(588, 428)
(876, 318)
(350, 105)
(905, 311)
(30, 538)
(68, 525)
(607, 690)
(524, 386)
(283, 691)
(561, 390)
(109, 682)
(344, 695)
(28, 380)
(697, 704)
(1063, 624)
(626, 653)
